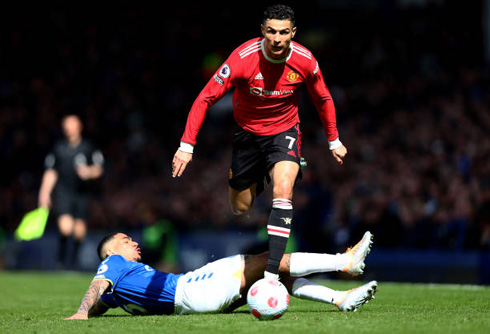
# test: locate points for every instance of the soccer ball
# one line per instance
(268, 299)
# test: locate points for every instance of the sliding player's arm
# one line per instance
(91, 304)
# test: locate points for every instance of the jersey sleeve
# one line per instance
(97, 158)
(221, 82)
(108, 300)
(94, 155)
(111, 270)
(320, 95)
(50, 161)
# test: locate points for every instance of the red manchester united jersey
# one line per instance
(265, 100)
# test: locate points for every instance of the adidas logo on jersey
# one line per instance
(259, 77)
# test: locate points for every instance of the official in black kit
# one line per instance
(69, 168)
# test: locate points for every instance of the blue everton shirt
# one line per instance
(136, 287)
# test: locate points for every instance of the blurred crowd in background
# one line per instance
(410, 85)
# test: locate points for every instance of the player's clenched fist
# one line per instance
(181, 159)
(339, 154)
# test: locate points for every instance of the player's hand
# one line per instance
(339, 154)
(77, 316)
(180, 162)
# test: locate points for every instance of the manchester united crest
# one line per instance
(292, 76)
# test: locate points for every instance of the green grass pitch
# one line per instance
(32, 302)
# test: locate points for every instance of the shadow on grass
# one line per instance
(234, 312)
(115, 316)
(294, 311)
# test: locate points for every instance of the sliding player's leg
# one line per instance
(211, 288)
(302, 264)
(346, 301)
(351, 262)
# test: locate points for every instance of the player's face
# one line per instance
(72, 127)
(278, 35)
(126, 247)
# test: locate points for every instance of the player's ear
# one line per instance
(293, 32)
(262, 29)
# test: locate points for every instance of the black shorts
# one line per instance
(71, 203)
(254, 156)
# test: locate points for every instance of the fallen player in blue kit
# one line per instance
(220, 286)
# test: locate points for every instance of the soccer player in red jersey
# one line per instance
(267, 73)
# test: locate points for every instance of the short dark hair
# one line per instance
(70, 114)
(102, 243)
(279, 12)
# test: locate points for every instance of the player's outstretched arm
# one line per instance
(91, 304)
(180, 162)
(339, 154)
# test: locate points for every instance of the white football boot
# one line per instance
(358, 254)
(355, 298)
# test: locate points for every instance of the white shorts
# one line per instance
(211, 288)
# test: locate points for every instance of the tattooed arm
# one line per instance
(91, 304)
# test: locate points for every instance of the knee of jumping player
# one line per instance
(241, 201)
(239, 209)
(283, 189)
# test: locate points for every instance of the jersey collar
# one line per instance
(276, 61)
